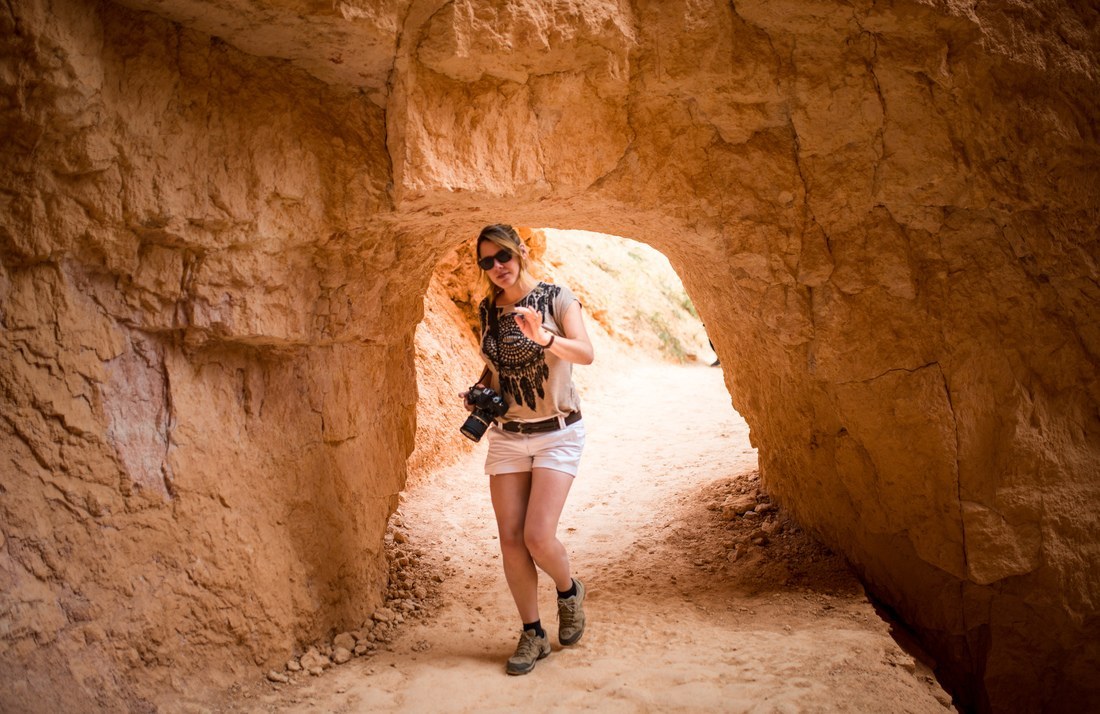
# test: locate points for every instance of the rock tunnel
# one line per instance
(220, 218)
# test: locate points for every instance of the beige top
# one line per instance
(535, 383)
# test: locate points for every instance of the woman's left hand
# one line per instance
(530, 324)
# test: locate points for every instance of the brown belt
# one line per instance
(537, 427)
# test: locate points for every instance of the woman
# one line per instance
(532, 334)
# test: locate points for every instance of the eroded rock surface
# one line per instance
(219, 220)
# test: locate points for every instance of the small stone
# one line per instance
(341, 655)
(399, 537)
(738, 551)
(737, 505)
(897, 658)
(292, 665)
(314, 659)
(316, 671)
(361, 649)
(345, 640)
(278, 677)
(383, 614)
(420, 593)
(751, 516)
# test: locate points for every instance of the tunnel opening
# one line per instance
(635, 306)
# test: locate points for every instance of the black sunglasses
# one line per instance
(502, 257)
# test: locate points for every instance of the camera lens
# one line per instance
(475, 426)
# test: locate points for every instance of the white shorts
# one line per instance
(519, 453)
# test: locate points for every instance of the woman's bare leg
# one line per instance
(548, 491)
(510, 494)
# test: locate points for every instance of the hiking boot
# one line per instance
(531, 649)
(571, 616)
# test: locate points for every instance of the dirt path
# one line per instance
(686, 611)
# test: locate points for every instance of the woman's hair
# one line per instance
(506, 237)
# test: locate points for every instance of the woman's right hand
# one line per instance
(465, 402)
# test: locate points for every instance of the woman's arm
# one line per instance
(574, 346)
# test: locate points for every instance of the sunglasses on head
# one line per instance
(502, 257)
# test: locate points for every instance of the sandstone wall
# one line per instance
(884, 212)
(198, 461)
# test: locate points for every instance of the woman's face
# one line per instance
(503, 274)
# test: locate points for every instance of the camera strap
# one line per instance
(491, 317)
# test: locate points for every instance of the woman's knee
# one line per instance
(540, 541)
(512, 541)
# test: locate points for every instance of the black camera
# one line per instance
(488, 405)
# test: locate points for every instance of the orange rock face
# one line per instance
(219, 220)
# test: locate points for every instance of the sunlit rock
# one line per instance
(219, 220)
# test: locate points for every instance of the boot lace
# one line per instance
(528, 645)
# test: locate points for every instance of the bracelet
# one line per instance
(547, 345)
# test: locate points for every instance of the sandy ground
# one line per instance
(685, 612)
